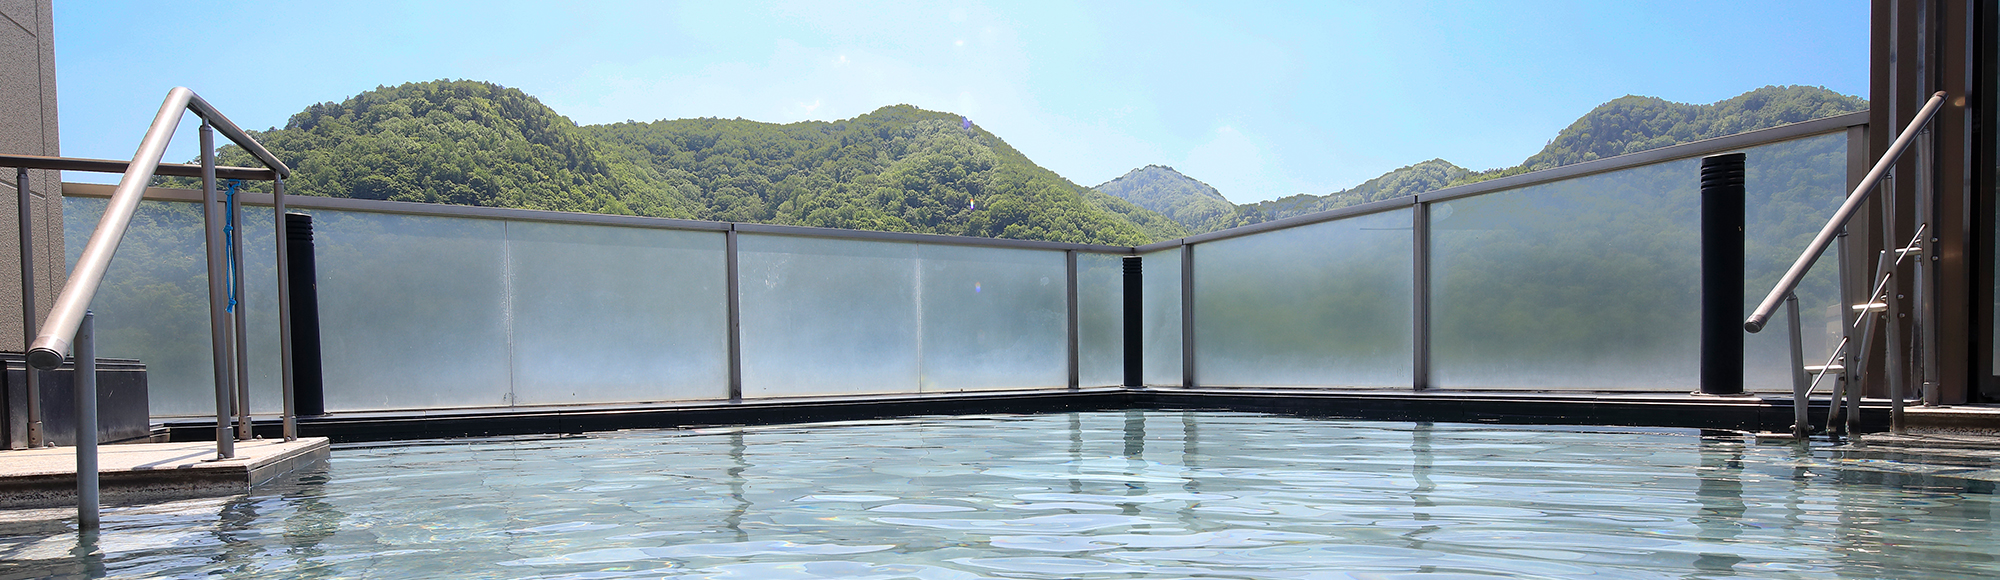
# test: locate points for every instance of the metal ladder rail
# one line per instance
(1784, 292)
(68, 325)
(1876, 308)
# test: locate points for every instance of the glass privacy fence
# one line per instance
(1582, 281)
(1326, 304)
(440, 311)
(1593, 282)
(1588, 282)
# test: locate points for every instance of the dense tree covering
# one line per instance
(1193, 204)
(459, 142)
(899, 168)
(1624, 125)
(1631, 124)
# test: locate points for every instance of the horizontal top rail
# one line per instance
(51, 346)
(115, 166)
(1685, 150)
(597, 219)
(229, 129)
(1790, 281)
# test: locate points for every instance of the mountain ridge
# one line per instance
(1628, 124)
(898, 168)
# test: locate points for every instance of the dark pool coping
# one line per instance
(1760, 412)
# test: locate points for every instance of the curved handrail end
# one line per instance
(46, 357)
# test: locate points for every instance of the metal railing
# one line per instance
(1835, 231)
(60, 332)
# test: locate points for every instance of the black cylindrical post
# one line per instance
(1722, 274)
(1135, 328)
(307, 385)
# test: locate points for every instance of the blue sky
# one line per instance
(1259, 99)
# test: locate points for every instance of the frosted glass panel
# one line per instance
(1588, 283)
(993, 318)
(825, 316)
(1790, 190)
(1327, 304)
(153, 304)
(1161, 286)
(412, 311)
(611, 314)
(1593, 283)
(1100, 320)
(260, 303)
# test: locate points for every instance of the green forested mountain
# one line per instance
(464, 143)
(1189, 202)
(1632, 124)
(897, 169)
(1624, 125)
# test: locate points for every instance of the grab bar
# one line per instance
(59, 328)
(1790, 281)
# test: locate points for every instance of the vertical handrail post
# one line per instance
(734, 305)
(1851, 365)
(1801, 390)
(86, 425)
(239, 313)
(1895, 369)
(1420, 309)
(1926, 280)
(218, 325)
(1187, 317)
(34, 376)
(279, 240)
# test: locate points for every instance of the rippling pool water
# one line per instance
(1152, 494)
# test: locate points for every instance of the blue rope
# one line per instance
(229, 242)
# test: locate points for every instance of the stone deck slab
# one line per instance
(149, 472)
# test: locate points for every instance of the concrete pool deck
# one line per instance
(149, 472)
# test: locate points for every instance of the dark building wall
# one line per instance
(28, 126)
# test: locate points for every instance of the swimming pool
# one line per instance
(1115, 494)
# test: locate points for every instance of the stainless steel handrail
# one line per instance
(59, 328)
(1788, 283)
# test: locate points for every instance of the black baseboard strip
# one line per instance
(1636, 409)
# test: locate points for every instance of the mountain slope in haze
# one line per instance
(1193, 204)
(1624, 125)
(1404, 181)
(897, 169)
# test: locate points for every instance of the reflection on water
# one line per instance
(1721, 495)
(1093, 495)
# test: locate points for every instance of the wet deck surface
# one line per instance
(145, 472)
